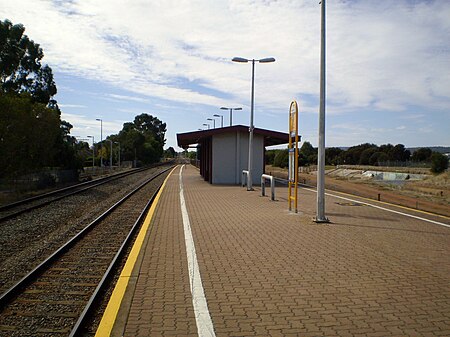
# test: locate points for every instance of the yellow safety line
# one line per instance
(109, 316)
(391, 204)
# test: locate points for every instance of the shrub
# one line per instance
(439, 162)
(281, 159)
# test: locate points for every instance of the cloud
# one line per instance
(381, 56)
(70, 106)
(378, 54)
(127, 98)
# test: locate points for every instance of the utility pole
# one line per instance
(320, 216)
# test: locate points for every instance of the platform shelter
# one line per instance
(223, 152)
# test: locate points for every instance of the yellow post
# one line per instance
(293, 155)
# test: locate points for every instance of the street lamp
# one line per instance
(250, 139)
(231, 113)
(101, 140)
(221, 119)
(119, 151)
(205, 124)
(93, 152)
(214, 122)
(110, 153)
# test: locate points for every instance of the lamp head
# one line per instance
(267, 60)
(237, 109)
(239, 59)
(217, 115)
(223, 108)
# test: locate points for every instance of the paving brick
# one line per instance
(268, 272)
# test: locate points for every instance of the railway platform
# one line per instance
(222, 261)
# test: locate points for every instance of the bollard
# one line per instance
(263, 186)
(244, 178)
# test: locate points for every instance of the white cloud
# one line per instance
(128, 98)
(381, 56)
(70, 106)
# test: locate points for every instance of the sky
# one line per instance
(387, 79)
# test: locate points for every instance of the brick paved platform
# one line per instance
(269, 272)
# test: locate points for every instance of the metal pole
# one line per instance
(320, 217)
(250, 138)
(119, 153)
(101, 140)
(231, 116)
(110, 156)
(93, 152)
(221, 121)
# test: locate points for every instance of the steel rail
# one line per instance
(14, 290)
(79, 325)
(91, 184)
(60, 190)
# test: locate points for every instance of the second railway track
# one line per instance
(51, 302)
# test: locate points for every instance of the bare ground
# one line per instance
(431, 195)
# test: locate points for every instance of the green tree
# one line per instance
(309, 153)
(20, 64)
(377, 158)
(170, 152)
(439, 162)
(399, 153)
(281, 159)
(332, 155)
(143, 139)
(270, 156)
(29, 134)
(422, 155)
(366, 155)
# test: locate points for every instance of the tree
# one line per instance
(170, 153)
(365, 156)
(377, 158)
(439, 162)
(20, 65)
(353, 155)
(143, 139)
(32, 135)
(29, 134)
(399, 153)
(270, 156)
(422, 155)
(281, 159)
(309, 153)
(332, 155)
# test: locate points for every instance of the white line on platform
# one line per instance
(382, 208)
(205, 326)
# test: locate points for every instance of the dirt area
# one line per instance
(431, 195)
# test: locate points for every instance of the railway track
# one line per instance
(56, 297)
(17, 208)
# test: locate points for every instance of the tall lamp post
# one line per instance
(250, 139)
(221, 119)
(101, 140)
(231, 113)
(214, 122)
(206, 124)
(320, 217)
(93, 152)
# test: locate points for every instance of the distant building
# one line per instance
(223, 152)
